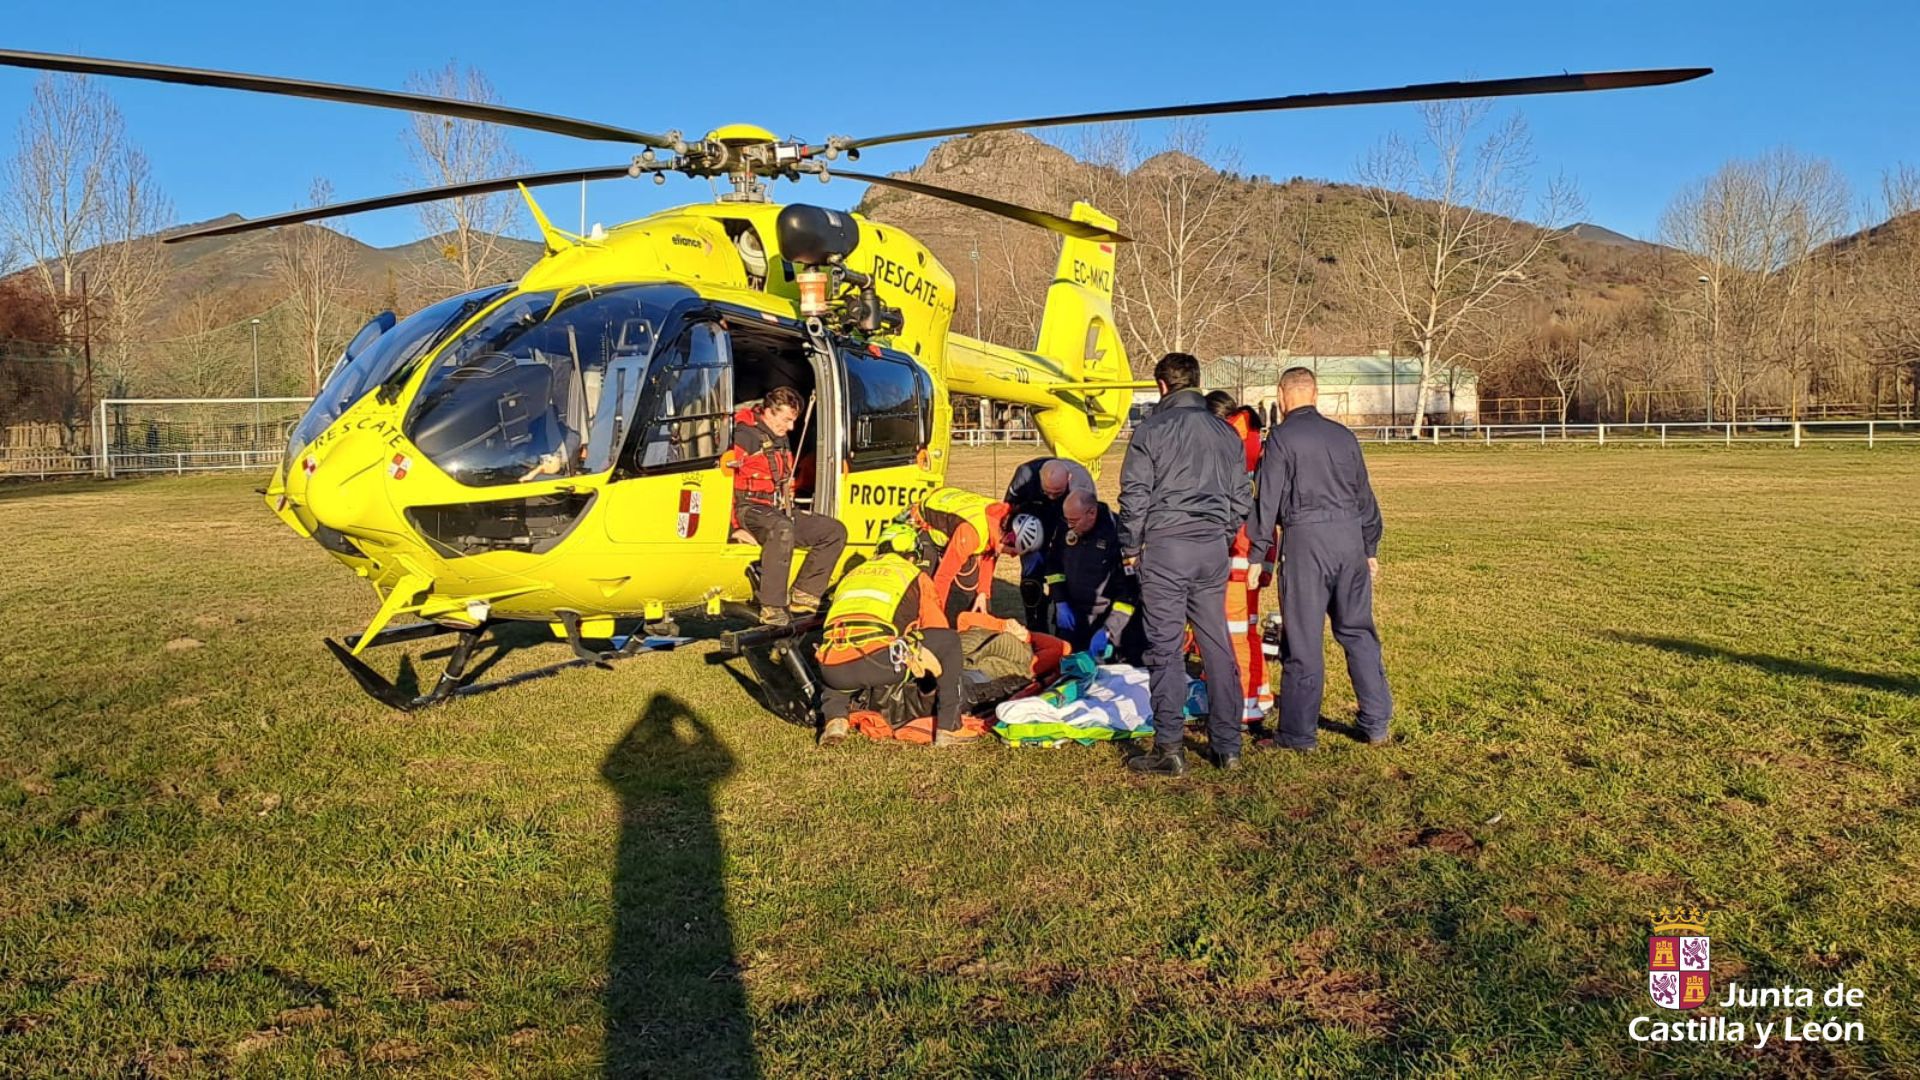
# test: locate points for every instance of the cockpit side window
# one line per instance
(525, 393)
(359, 372)
(689, 404)
(889, 406)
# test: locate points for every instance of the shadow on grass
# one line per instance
(674, 1002)
(1779, 665)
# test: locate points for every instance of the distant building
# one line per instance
(1367, 390)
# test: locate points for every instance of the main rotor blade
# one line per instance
(1440, 91)
(1064, 226)
(353, 95)
(405, 198)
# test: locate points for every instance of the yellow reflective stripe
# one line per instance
(961, 503)
(1056, 579)
(872, 592)
(867, 594)
(1124, 609)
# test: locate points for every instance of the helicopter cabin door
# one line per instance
(669, 489)
(889, 426)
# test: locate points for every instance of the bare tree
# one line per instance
(1564, 355)
(79, 200)
(1888, 265)
(311, 264)
(1445, 246)
(1014, 271)
(1179, 282)
(205, 358)
(1290, 285)
(57, 184)
(129, 268)
(1749, 233)
(466, 252)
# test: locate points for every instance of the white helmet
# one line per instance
(1027, 533)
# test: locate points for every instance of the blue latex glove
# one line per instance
(1101, 646)
(1063, 617)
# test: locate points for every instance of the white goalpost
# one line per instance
(179, 435)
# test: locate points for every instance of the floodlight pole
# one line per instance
(254, 325)
(1713, 342)
(975, 256)
(86, 334)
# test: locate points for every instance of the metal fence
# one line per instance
(134, 436)
(1794, 433)
(223, 434)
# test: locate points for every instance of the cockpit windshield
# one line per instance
(359, 372)
(541, 386)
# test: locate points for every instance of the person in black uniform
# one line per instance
(1039, 487)
(1313, 484)
(1184, 493)
(1094, 596)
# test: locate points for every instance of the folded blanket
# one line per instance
(1113, 705)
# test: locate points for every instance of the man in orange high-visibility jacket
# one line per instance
(763, 469)
(966, 534)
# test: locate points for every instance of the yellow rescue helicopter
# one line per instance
(549, 451)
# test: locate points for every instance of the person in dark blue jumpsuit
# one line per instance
(1095, 598)
(1184, 493)
(1313, 483)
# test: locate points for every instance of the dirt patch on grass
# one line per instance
(1520, 916)
(1328, 994)
(161, 1062)
(254, 1043)
(394, 1051)
(1451, 841)
(182, 644)
(1144, 1068)
(1335, 996)
(417, 984)
(1049, 980)
(304, 1016)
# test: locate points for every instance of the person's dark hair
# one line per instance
(1180, 371)
(1254, 422)
(781, 397)
(1221, 404)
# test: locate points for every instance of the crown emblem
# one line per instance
(1668, 920)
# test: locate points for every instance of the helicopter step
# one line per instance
(452, 676)
(781, 659)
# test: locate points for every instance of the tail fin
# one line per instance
(1077, 332)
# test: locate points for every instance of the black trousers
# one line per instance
(1324, 576)
(877, 669)
(778, 534)
(1184, 583)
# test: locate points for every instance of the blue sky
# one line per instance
(1829, 79)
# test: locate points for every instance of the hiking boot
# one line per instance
(774, 616)
(1223, 762)
(963, 736)
(834, 731)
(802, 603)
(1158, 762)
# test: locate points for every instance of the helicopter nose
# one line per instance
(346, 486)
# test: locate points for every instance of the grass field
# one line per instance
(1626, 679)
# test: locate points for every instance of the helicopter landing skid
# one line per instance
(451, 680)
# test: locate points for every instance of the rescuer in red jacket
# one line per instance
(763, 465)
